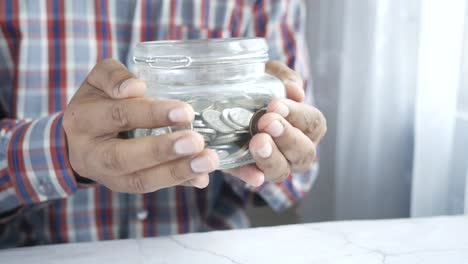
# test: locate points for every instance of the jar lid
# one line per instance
(173, 54)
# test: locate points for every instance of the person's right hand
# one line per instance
(111, 100)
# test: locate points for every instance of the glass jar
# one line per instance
(223, 79)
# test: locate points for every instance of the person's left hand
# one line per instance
(289, 133)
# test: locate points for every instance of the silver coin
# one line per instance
(230, 163)
(240, 116)
(213, 119)
(141, 132)
(250, 103)
(244, 150)
(208, 131)
(198, 123)
(207, 138)
(254, 121)
(200, 105)
(222, 154)
(221, 147)
(242, 132)
(227, 120)
(180, 128)
(226, 139)
(160, 131)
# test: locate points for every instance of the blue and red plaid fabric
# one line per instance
(47, 47)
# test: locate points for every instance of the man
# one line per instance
(66, 176)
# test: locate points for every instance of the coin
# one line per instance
(179, 128)
(206, 138)
(254, 101)
(160, 131)
(209, 131)
(240, 116)
(141, 132)
(221, 147)
(222, 154)
(225, 139)
(200, 105)
(230, 163)
(198, 123)
(244, 150)
(226, 123)
(213, 119)
(242, 132)
(227, 120)
(254, 121)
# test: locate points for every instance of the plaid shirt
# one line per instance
(47, 47)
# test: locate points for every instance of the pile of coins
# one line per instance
(225, 124)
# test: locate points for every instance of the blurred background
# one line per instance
(391, 76)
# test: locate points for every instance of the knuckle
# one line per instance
(118, 75)
(157, 151)
(108, 70)
(111, 160)
(284, 72)
(310, 125)
(175, 175)
(153, 113)
(98, 69)
(305, 158)
(120, 115)
(316, 126)
(282, 176)
(137, 183)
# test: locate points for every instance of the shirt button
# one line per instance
(142, 215)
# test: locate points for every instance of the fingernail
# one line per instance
(201, 164)
(275, 129)
(265, 151)
(282, 110)
(180, 114)
(124, 86)
(185, 146)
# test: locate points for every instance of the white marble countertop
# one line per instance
(427, 240)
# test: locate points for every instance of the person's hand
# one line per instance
(111, 100)
(289, 133)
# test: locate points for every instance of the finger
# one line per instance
(200, 182)
(112, 116)
(113, 79)
(292, 81)
(303, 116)
(124, 156)
(296, 147)
(249, 174)
(170, 174)
(268, 158)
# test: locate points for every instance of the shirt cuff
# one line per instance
(38, 161)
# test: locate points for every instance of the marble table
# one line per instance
(426, 240)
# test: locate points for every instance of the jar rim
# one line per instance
(170, 54)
